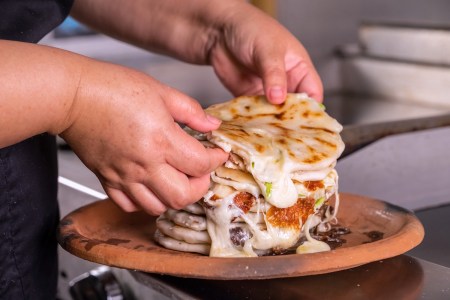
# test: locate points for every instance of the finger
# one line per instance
(188, 111)
(175, 189)
(237, 78)
(146, 199)
(189, 156)
(304, 78)
(273, 72)
(121, 199)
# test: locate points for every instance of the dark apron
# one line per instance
(28, 176)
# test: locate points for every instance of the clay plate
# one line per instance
(102, 233)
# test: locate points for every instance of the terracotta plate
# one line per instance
(102, 233)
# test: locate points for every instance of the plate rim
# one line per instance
(70, 239)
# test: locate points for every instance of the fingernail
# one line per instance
(213, 120)
(276, 93)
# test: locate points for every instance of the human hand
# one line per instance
(253, 54)
(123, 128)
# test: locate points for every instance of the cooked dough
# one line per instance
(181, 233)
(177, 245)
(186, 219)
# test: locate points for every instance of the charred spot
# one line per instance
(278, 125)
(317, 114)
(244, 201)
(291, 154)
(238, 236)
(306, 114)
(323, 142)
(314, 185)
(290, 217)
(282, 141)
(237, 132)
(260, 148)
(245, 133)
(258, 135)
(314, 158)
(280, 106)
(280, 116)
(247, 107)
(314, 128)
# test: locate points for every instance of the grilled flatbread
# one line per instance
(274, 188)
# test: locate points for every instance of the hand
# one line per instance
(251, 53)
(124, 130)
(254, 54)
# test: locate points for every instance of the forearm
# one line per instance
(183, 29)
(38, 85)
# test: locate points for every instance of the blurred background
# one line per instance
(349, 42)
(379, 60)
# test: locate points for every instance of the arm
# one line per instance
(121, 123)
(250, 52)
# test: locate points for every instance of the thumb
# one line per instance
(188, 111)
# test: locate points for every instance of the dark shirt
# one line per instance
(28, 176)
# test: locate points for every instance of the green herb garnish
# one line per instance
(268, 186)
(322, 106)
(253, 164)
(319, 201)
(301, 196)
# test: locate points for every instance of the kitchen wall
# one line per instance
(323, 25)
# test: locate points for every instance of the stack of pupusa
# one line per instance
(273, 189)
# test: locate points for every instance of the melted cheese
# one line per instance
(223, 213)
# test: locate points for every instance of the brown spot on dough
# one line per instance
(322, 141)
(260, 148)
(313, 159)
(280, 116)
(314, 128)
(291, 154)
(282, 141)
